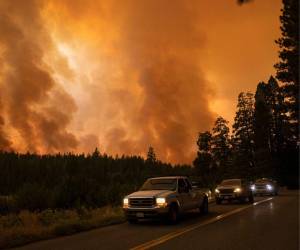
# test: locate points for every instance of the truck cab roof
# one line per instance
(169, 177)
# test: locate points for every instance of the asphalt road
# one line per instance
(270, 223)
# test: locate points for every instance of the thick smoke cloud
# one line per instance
(36, 107)
(162, 45)
(124, 75)
(152, 91)
(5, 143)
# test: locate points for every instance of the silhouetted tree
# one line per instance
(204, 142)
(151, 157)
(243, 134)
(203, 161)
(220, 142)
(268, 126)
(288, 66)
(243, 1)
(96, 153)
(220, 148)
(288, 73)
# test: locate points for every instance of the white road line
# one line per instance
(184, 230)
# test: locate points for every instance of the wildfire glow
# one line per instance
(123, 75)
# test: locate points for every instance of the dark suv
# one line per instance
(265, 186)
(234, 189)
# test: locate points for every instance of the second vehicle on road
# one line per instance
(234, 189)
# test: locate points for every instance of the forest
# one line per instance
(73, 181)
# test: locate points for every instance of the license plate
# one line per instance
(226, 197)
(140, 215)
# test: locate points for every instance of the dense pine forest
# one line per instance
(68, 181)
(263, 142)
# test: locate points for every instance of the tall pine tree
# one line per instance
(288, 66)
(243, 135)
(220, 141)
(151, 156)
(268, 126)
(203, 161)
(288, 73)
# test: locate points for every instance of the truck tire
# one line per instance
(251, 199)
(172, 216)
(242, 200)
(204, 206)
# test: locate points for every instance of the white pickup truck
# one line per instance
(165, 197)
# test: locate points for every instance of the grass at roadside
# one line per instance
(25, 227)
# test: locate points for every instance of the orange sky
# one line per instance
(123, 75)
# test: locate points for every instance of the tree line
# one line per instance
(260, 143)
(38, 182)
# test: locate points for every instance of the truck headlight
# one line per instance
(252, 187)
(161, 202)
(269, 187)
(237, 190)
(217, 190)
(125, 202)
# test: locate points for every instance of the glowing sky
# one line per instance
(123, 75)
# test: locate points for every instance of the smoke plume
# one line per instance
(149, 88)
(37, 108)
(128, 70)
(124, 75)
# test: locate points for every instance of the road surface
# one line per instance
(270, 223)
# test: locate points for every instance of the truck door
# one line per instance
(193, 195)
(184, 195)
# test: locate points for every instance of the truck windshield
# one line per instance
(232, 182)
(263, 181)
(159, 184)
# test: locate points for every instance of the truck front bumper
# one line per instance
(228, 196)
(145, 213)
(263, 192)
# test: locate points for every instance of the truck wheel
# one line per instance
(218, 201)
(173, 214)
(204, 206)
(251, 199)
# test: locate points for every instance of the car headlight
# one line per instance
(161, 202)
(252, 187)
(269, 187)
(125, 202)
(217, 190)
(237, 190)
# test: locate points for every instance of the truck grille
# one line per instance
(260, 186)
(226, 191)
(141, 202)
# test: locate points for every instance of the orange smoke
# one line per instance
(76, 74)
(31, 97)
